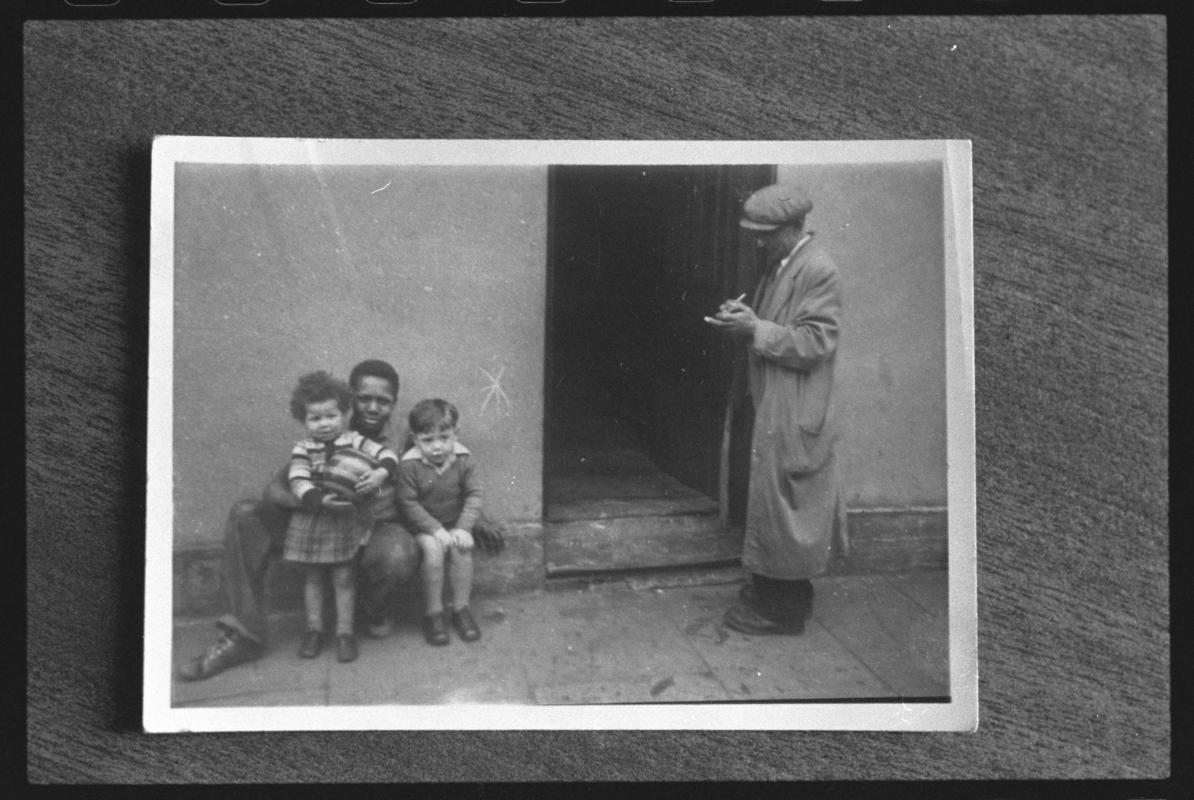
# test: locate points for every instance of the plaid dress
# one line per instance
(327, 536)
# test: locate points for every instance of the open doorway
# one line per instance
(635, 461)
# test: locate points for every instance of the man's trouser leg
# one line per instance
(253, 536)
(390, 558)
(786, 601)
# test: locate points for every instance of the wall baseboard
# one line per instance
(199, 574)
(889, 540)
(881, 541)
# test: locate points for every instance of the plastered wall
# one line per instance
(883, 226)
(284, 269)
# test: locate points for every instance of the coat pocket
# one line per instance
(780, 441)
(792, 427)
(812, 399)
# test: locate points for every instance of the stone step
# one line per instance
(622, 543)
(715, 574)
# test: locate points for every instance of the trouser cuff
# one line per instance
(231, 623)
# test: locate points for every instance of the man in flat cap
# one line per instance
(794, 509)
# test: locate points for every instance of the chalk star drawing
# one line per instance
(495, 392)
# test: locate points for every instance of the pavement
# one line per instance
(644, 639)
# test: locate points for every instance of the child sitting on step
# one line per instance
(440, 494)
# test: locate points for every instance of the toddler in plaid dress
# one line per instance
(326, 532)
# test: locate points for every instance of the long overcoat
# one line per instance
(795, 512)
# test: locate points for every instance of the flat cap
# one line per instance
(775, 205)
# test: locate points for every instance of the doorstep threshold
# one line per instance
(645, 578)
(628, 543)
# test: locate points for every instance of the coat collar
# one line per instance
(781, 285)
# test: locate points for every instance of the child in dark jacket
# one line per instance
(440, 494)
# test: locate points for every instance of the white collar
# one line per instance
(414, 454)
(792, 254)
(343, 440)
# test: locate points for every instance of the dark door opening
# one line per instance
(636, 382)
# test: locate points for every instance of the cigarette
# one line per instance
(741, 297)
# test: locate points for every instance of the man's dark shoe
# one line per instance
(465, 625)
(750, 597)
(346, 648)
(312, 644)
(745, 619)
(435, 629)
(233, 648)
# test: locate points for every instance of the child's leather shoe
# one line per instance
(346, 648)
(465, 625)
(435, 629)
(312, 644)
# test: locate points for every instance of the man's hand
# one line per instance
(334, 502)
(461, 539)
(489, 536)
(372, 481)
(277, 491)
(734, 317)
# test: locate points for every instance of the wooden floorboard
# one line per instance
(644, 494)
(904, 645)
(930, 590)
(625, 485)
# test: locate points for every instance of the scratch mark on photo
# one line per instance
(495, 392)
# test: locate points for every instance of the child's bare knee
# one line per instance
(433, 551)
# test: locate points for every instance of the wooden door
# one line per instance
(638, 256)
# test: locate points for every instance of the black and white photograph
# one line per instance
(504, 434)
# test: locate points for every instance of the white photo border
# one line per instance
(960, 713)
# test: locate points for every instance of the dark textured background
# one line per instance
(1068, 120)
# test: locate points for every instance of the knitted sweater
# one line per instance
(308, 456)
(448, 497)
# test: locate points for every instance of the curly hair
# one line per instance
(429, 416)
(317, 387)
(374, 368)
